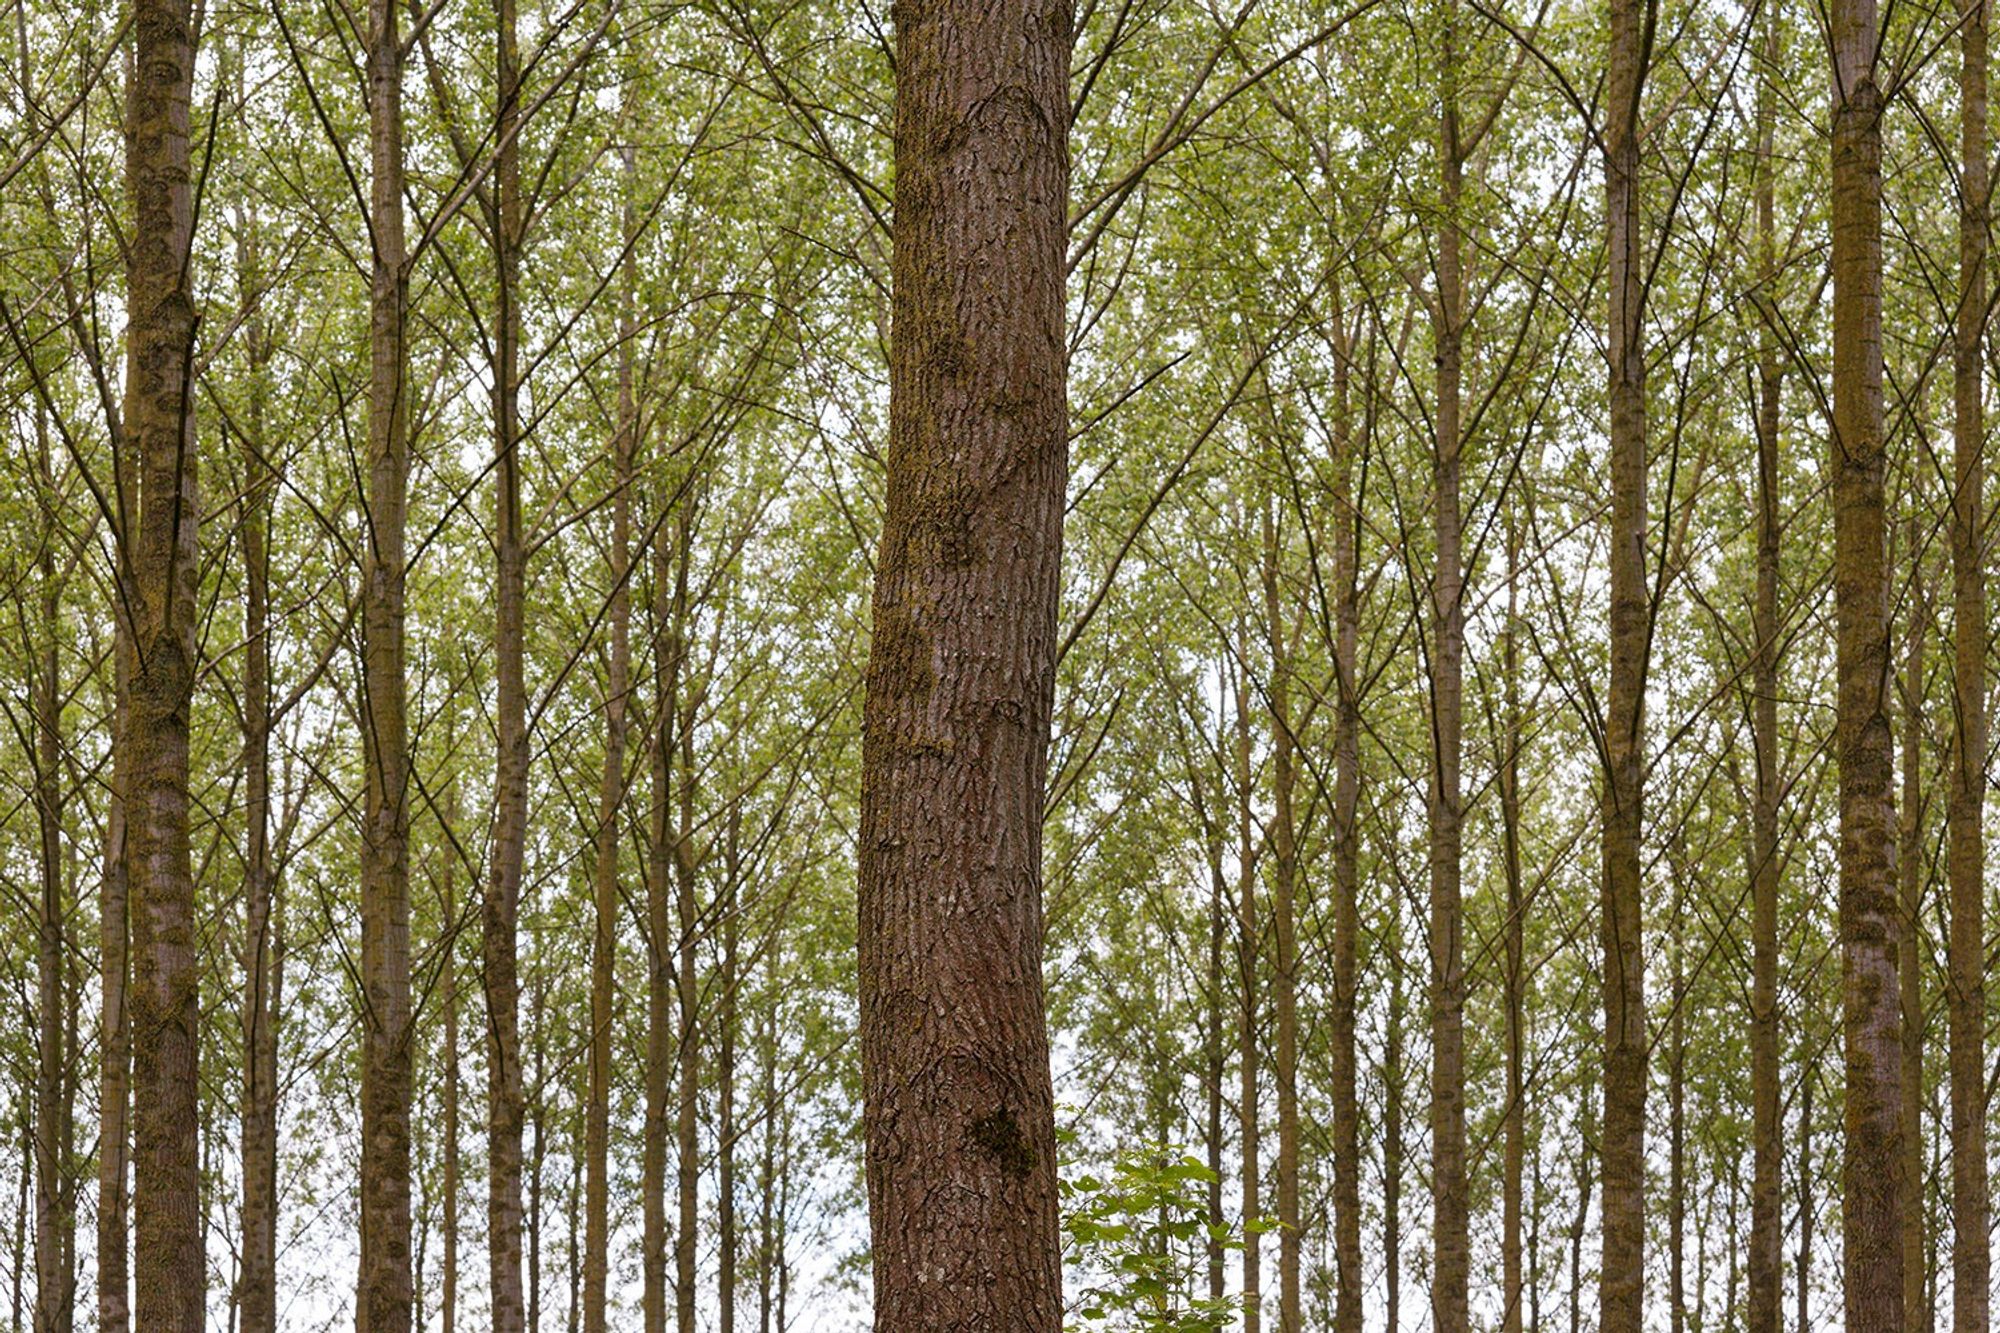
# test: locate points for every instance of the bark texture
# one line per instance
(1965, 986)
(500, 907)
(385, 1295)
(1873, 1188)
(958, 1109)
(159, 427)
(1622, 1272)
(1767, 1130)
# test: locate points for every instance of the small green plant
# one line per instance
(1139, 1239)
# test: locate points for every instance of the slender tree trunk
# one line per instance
(1450, 1204)
(1346, 845)
(610, 799)
(1966, 949)
(959, 1112)
(725, 1082)
(1249, 937)
(1513, 1129)
(19, 1268)
(501, 904)
(55, 1222)
(263, 958)
(1622, 1271)
(1874, 1190)
(448, 999)
(1910, 858)
(1392, 1129)
(114, 1032)
(537, 1119)
(1803, 1261)
(1677, 1108)
(1284, 898)
(385, 1298)
(164, 573)
(687, 985)
(767, 1135)
(661, 870)
(1215, 1067)
(1767, 1225)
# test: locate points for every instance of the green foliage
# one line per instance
(1139, 1236)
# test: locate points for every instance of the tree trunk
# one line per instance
(687, 986)
(1249, 937)
(1965, 814)
(1767, 1225)
(610, 799)
(1874, 1190)
(1622, 1274)
(1215, 1067)
(55, 1220)
(263, 957)
(114, 1031)
(1285, 868)
(1392, 1126)
(663, 869)
(1450, 1205)
(385, 1296)
(1513, 1129)
(501, 904)
(725, 1082)
(958, 1109)
(1910, 862)
(1346, 846)
(448, 999)
(164, 573)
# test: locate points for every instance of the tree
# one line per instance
(958, 1109)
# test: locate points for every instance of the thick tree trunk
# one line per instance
(159, 426)
(610, 799)
(1622, 1271)
(385, 1297)
(1450, 1205)
(958, 1109)
(501, 903)
(1767, 1132)
(1874, 1190)
(1966, 949)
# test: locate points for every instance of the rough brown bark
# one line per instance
(1965, 812)
(1767, 1132)
(159, 426)
(385, 1291)
(610, 799)
(958, 1109)
(500, 905)
(1622, 1270)
(1873, 1187)
(1450, 1203)
(1346, 845)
